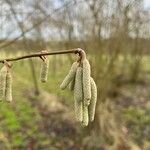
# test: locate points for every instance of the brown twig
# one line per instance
(75, 51)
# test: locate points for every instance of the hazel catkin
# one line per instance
(79, 110)
(69, 76)
(93, 101)
(85, 120)
(78, 88)
(72, 84)
(8, 88)
(3, 73)
(44, 70)
(86, 81)
(78, 95)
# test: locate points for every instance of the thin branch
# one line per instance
(75, 51)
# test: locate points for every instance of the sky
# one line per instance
(4, 30)
(147, 4)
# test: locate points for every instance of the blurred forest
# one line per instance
(116, 37)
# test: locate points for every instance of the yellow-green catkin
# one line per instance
(93, 101)
(44, 70)
(78, 95)
(8, 89)
(72, 84)
(85, 121)
(79, 110)
(3, 73)
(78, 88)
(70, 76)
(86, 82)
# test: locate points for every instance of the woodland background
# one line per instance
(116, 36)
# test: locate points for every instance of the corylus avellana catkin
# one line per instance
(79, 110)
(69, 76)
(72, 84)
(78, 88)
(86, 82)
(85, 120)
(93, 101)
(3, 73)
(78, 95)
(44, 70)
(8, 89)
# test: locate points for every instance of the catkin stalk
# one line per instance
(8, 89)
(93, 101)
(86, 82)
(69, 76)
(85, 116)
(44, 70)
(3, 72)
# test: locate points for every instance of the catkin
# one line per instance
(8, 89)
(3, 72)
(44, 70)
(69, 76)
(78, 88)
(86, 81)
(85, 115)
(72, 84)
(93, 100)
(79, 110)
(78, 95)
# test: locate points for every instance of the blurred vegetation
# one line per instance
(27, 123)
(115, 35)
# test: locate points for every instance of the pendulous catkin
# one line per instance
(69, 76)
(44, 70)
(78, 88)
(86, 82)
(72, 84)
(85, 91)
(78, 95)
(8, 88)
(3, 73)
(85, 120)
(93, 101)
(79, 110)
